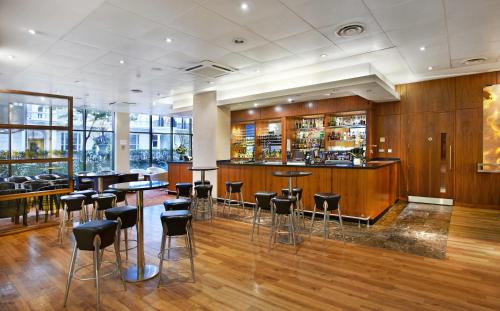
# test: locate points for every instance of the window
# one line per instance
(153, 142)
(93, 140)
(134, 141)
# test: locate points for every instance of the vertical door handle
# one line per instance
(450, 157)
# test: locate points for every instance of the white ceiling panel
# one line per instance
(279, 26)
(75, 50)
(140, 50)
(257, 9)
(367, 44)
(306, 41)
(160, 11)
(90, 35)
(227, 40)
(321, 13)
(236, 60)
(266, 52)
(178, 60)
(202, 23)
(428, 35)
(119, 21)
(113, 59)
(407, 13)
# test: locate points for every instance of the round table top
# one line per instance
(97, 174)
(139, 185)
(203, 168)
(291, 174)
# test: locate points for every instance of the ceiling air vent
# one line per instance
(208, 69)
(350, 30)
(474, 61)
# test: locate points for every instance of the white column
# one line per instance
(122, 129)
(204, 134)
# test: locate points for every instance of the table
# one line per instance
(203, 169)
(141, 271)
(290, 175)
(100, 176)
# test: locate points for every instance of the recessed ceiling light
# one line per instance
(430, 68)
(239, 41)
(323, 55)
(423, 48)
(290, 100)
(11, 56)
(251, 111)
(257, 71)
(169, 40)
(42, 98)
(310, 104)
(244, 6)
(278, 108)
(122, 61)
(32, 31)
(255, 104)
(210, 82)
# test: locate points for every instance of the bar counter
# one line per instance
(366, 191)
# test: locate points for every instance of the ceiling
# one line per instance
(97, 51)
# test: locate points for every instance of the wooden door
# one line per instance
(429, 142)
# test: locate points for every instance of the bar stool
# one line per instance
(203, 195)
(88, 200)
(199, 182)
(282, 207)
(299, 208)
(176, 223)
(233, 187)
(177, 204)
(262, 202)
(121, 196)
(327, 202)
(184, 189)
(102, 202)
(95, 236)
(71, 203)
(128, 218)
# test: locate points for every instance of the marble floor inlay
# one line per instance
(420, 229)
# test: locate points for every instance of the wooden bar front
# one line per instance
(365, 192)
(178, 172)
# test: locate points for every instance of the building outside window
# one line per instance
(154, 145)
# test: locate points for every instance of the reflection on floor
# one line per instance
(420, 229)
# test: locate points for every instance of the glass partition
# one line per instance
(34, 132)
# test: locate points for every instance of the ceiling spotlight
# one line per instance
(257, 71)
(42, 99)
(32, 31)
(423, 48)
(210, 82)
(255, 104)
(244, 6)
(290, 100)
(122, 61)
(278, 108)
(310, 104)
(430, 68)
(11, 56)
(169, 40)
(323, 55)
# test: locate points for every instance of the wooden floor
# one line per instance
(233, 273)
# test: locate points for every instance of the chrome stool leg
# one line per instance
(341, 224)
(312, 220)
(70, 273)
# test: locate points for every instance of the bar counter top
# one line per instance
(369, 165)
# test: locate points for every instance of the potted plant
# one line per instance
(357, 156)
(181, 151)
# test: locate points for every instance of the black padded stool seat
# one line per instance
(203, 191)
(120, 195)
(199, 182)
(296, 192)
(263, 199)
(262, 202)
(88, 193)
(73, 201)
(283, 204)
(127, 214)
(104, 200)
(234, 186)
(331, 199)
(174, 222)
(85, 234)
(177, 204)
(184, 189)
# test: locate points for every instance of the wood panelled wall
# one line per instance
(462, 97)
